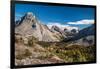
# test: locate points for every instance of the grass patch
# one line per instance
(74, 53)
(32, 41)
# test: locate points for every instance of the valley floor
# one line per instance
(49, 53)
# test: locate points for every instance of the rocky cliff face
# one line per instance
(30, 26)
(56, 29)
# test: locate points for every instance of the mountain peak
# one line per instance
(29, 13)
(31, 26)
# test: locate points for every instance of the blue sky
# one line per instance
(58, 14)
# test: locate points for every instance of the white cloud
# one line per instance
(82, 22)
(61, 26)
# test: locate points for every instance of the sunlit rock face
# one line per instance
(31, 26)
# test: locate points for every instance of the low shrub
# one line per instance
(24, 55)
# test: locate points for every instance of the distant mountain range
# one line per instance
(84, 37)
(29, 25)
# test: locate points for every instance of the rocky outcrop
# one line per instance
(30, 26)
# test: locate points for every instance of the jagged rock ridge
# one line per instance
(30, 26)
